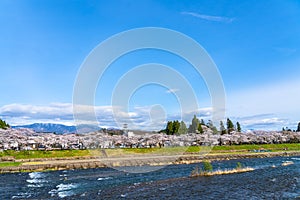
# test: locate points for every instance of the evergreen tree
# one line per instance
(200, 129)
(190, 129)
(182, 129)
(169, 128)
(3, 124)
(298, 128)
(202, 122)
(222, 128)
(176, 126)
(214, 130)
(194, 126)
(212, 127)
(238, 127)
(210, 124)
(230, 126)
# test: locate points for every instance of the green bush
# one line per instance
(207, 167)
(238, 165)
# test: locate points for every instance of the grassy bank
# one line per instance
(44, 154)
(233, 149)
(10, 164)
(250, 147)
(215, 149)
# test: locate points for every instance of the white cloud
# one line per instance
(209, 17)
(263, 122)
(271, 106)
(30, 111)
(278, 98)
(151, 117)
(62, 113)
(265, 107)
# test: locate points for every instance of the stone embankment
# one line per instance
(143, 160)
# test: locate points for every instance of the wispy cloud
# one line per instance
(209, 17)
(149, 118)
(263, 122)
(278, 100)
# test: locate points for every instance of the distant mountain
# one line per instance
(48, 127)
(59, 128)
(83, 128)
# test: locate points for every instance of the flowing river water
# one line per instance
(269, 180)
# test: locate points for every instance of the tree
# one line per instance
(202, 122)
(298, 128)
(182, 129)
(200, 129)
(222, 128)
(214, 130)
(169, 128)
(190, 129)
(230, 126)
(194, 126)
(3, 124)
(175, 127)
(210, 125)
(172, 127)
(238, 127)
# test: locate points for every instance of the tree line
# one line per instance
(3, 124)
(198, 126)
(288, 129)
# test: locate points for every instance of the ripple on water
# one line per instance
(295, 158)
(64, 190)
(290, 195)
(36, 180)
(22, 195)
(104, 178)
(36, 175)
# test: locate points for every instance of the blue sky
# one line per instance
(255, 45)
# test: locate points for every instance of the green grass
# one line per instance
(166, 150)
(44, 154)
(134, 151)
(9, 164)
(249, 147)
(206, 149)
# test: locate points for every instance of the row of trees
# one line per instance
(288, 129)
(3, 124)
(230, 127)
(197, 126)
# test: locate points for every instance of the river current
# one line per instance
(269, 180)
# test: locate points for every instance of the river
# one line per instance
(269, 180)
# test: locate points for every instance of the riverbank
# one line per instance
(40, 164)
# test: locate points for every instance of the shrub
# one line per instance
(238, 165)
(207, 167)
